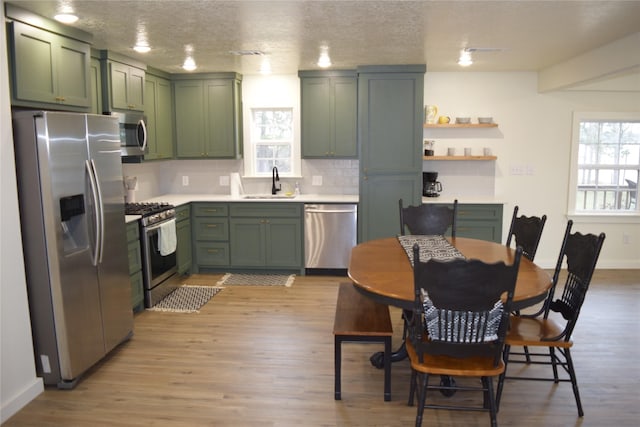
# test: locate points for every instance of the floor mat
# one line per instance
(186, 299)
(257, 279)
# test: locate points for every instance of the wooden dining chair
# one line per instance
(428, 219)
(460, 318)
(526, 232)
(553, 333)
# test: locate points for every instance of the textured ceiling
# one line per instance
(532, 35)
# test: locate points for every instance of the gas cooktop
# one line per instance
(146, 209)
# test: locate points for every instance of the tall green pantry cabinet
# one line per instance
(390, 109)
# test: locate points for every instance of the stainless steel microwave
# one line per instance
(133, 135)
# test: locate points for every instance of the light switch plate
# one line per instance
(316, 180)
(224, 181)
(185, 180)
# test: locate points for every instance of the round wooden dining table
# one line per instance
(381, 270)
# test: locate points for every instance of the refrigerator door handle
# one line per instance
(98, 211)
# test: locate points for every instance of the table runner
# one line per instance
(431, 246)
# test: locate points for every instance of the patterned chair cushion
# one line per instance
(461, 326)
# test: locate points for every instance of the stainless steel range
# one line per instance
(157, 267)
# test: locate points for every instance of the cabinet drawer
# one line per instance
(135, 259)
(210, 209)
(263, 210)
(214, 254)
(483, 230)
(211, 228)
(183, 212)
(479, 212)
(133, 232)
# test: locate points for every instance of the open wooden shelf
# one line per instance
(461, 125)
(460, 157)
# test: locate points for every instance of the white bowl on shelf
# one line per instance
(463, 120)
(485, 120)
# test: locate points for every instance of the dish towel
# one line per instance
(167, 240)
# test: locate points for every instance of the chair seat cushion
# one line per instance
(448, 365)
(457, 322)
(535, 332)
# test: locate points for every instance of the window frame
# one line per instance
(622, 216)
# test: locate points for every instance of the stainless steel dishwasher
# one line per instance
(330, 232)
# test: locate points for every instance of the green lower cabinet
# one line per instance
(266, 242)
(266, 235)
(183, 234)
(135, 266)
(480, 221)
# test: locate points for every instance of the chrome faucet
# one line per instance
(275, 178)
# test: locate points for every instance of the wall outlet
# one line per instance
(224, 181)
(316, 180)
(185, 180)
(625, 239)
(516, 170)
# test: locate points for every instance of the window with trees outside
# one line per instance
(606, 163)
(272, 140)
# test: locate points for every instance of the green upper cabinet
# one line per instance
(390, 109)
(158, 110)
(329, 107)
(208, 115)
(47, 68)
(123, 84)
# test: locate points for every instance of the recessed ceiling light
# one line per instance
(141, 48)
(265, 67)
(189, 64)
(66, 18)
(324, 60)
(465, 58)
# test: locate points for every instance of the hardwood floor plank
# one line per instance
(263, 356)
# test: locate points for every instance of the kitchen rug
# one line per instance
(186, 299)
(257, 279)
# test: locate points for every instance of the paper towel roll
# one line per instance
(236, 185)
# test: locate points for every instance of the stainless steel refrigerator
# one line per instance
(73, 231)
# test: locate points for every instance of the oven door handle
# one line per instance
(155, 226)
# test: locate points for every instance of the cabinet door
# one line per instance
(220, 129)
(390, 130)
(164, 120)
(119, 78)
(73, 72)
(159, 118)
(183, 252)
(345, 112)
(135, 89)
(283, 239)
(189, 105)
(247, 241)
(316, 117)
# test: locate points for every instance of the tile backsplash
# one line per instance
(204, 177)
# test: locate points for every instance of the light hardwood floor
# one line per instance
(263, 356)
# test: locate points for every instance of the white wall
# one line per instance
(534, 135)
(18, 381)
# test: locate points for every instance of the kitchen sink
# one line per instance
(268, 196)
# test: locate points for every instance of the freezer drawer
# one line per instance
(330, 232)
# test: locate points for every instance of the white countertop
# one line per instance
(181, 199)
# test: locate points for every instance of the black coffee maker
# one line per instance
(431, 187)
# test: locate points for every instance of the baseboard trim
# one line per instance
(20, 400)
